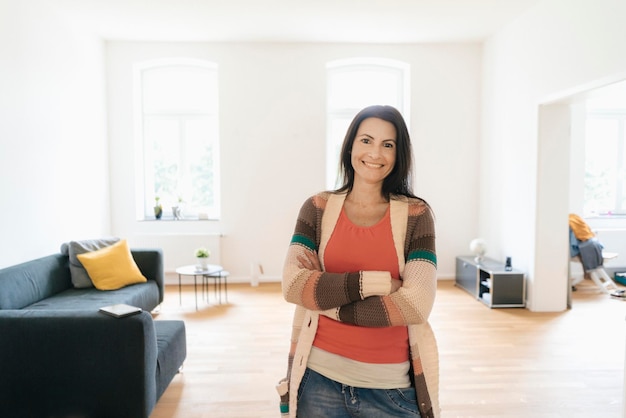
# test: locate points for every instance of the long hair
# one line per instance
(399, 181)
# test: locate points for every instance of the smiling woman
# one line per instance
(361, 269)
(374, 151)
(373, 157)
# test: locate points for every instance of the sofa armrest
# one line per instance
(150, 262)
(78, 363)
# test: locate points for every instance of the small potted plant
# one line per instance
(177, 211)
(202, 255)
(158, 208)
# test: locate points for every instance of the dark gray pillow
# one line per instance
(80, 278)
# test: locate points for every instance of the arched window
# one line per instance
(177, 127)
(354, 84)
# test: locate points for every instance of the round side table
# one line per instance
(192, 270)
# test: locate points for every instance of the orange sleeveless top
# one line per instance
(355, 248)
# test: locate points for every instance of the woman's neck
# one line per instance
(366, 196)
(365, 208)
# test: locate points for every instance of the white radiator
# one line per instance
(179, 249)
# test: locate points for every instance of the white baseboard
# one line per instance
(172, 279)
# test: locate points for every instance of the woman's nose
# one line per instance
(374, 152)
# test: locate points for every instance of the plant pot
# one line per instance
(158, 212)
(202, 264)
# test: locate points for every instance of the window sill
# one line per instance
(170, 219)
(607, 216)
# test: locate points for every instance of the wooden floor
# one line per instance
(494, 362)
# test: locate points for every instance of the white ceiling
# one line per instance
(369, 21)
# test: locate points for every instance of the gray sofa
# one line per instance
(61, 358)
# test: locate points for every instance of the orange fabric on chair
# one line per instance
(582, 231)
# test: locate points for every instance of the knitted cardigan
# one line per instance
(363, 298)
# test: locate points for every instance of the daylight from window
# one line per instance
(178, 127)
(605, 154)
(353, 84)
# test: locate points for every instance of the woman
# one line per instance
(361, 269)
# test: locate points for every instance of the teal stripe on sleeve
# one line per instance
(302, 240)
(422, 255)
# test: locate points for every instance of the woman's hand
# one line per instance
(309, 261)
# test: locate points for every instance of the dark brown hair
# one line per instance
(399, 181)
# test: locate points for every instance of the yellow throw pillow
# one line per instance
(111, 267)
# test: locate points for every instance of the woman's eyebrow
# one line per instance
(371, 137)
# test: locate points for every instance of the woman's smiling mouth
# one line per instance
(372, 165)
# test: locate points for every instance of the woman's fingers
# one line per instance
(309, 261)
(317, 265)
(303, 262)
(314, 260)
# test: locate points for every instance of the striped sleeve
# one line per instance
(413, 302)
(317, 290)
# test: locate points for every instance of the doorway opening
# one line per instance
(580, 146)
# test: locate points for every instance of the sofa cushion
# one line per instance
(172, 351)
(142, 295)
(112, 267)
(80, 278)
(34, 280)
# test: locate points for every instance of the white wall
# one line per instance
(272, 127)
(557, 49)
(54, 182)
(53, 156)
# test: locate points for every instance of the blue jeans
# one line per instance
(320, 397)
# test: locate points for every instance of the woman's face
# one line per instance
(374, 150)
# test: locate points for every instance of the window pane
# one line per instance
(601, 165)
(200, 150)
(164, 136)
(337, 131)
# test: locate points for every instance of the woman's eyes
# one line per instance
(385, 144)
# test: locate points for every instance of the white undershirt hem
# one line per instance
(357, 373)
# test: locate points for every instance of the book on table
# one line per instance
(120, 310)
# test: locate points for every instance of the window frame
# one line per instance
(402, 71)
(619, 116)
(144, 185)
